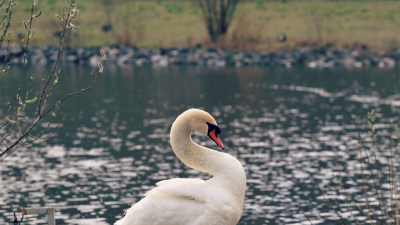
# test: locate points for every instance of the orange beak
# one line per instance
(216, 139)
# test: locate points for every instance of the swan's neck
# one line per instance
(227, 170)
(190, 153)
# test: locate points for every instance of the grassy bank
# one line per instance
(255, 27)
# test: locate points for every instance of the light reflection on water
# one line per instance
(287, 127)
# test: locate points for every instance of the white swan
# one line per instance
(217, 201)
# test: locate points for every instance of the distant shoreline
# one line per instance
(323, 57)
(255, 26)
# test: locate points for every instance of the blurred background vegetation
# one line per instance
(255, 25)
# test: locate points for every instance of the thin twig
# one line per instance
(301, 209)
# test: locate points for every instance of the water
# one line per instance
(288, 127)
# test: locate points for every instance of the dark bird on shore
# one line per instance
(106, 27)
(282, 37)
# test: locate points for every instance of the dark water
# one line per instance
(289, 128)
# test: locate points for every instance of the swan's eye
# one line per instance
(213, 133)
(212, 127)
(217, 131)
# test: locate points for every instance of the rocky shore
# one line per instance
(301, 57)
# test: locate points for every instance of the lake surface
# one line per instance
(288, 127)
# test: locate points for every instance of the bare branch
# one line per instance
(21, 134)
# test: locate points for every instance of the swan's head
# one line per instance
(205, 124)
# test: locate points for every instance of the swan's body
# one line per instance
(218, 200)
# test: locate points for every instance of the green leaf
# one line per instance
(2, 25)
(103, 54)
(19, 99)
(59, 18)
(22, 118)
(39, 14)
(373, 118)
(33, 100)
(73, 26)
(26, 25)
(369, 123)
(75, 13)
(57, 105)
(55, 80)
(373, 112)
(101, 67)
(32, 34)
(369, 115)
(10, 120)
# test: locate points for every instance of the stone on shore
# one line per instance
(323, 57)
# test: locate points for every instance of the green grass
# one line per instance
(173, 23)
